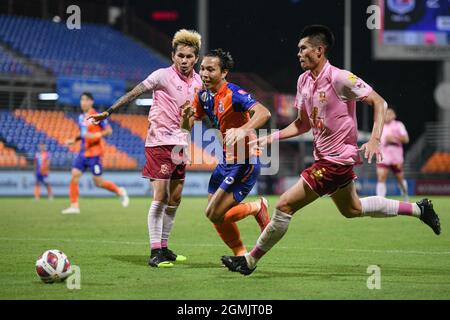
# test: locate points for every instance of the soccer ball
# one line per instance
(53, 266)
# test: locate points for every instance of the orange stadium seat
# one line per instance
(9, 157)
(61, 128)
(439, 162)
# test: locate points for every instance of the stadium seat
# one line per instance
(439, 162)
(93, 51)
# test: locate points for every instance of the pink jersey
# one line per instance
(393, 151)
(330, 104)
(170, 91)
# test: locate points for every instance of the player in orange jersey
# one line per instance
(91, 151)
(42, 166)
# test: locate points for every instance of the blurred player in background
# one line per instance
(42, 169)
(228, 107)
(392, 140)
(326, 103)
(171, 88)
(91, 151)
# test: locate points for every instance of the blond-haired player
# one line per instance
(171, 88)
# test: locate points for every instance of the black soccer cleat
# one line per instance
(429, 216)
(237, 264)
(172, 256)
(159, 260)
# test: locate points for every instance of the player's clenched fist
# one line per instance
(187, 110)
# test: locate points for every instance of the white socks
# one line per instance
(168, 219)
(379, 207)
(155, 223)
(274, 231)
(381, 189)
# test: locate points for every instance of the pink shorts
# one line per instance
(159, 164)
(395, 168)
(325, 177)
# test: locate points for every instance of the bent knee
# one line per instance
(174, 201)
(351, 212)
(98, 183)
(213, 216)
(285, 207)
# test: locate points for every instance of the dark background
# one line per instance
(263, 35)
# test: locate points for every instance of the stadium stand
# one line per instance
(8, 64)
(124, 149)
(439, 162)
(93, 51)
(57, 126)
(9, 157)
(25, 138)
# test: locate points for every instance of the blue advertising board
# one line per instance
(105, 91)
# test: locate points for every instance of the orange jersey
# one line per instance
(91, 147)
(42, 160)
(228, 108)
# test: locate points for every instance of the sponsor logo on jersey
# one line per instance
(322, 97)
(204, 96)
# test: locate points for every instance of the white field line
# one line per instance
(217, 245)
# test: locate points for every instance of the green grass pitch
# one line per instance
(322, 256)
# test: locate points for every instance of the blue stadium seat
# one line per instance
(93, 51)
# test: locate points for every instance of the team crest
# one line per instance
(164, 169)
(242, 91)
(179, 88)
(317, 174)
(220, 107)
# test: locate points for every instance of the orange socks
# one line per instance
(110, 186)
(230, 234)
(73, 192)
(241, 211)
(37, 191)
(49, 190)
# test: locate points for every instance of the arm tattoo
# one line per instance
(128, 97)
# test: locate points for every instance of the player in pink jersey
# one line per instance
(392, 140)
(172, 87)
(326, 102)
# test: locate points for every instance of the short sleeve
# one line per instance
(402, 130)
(103, 124)
(153, 81)
(298, 103)
(242, 100)
(199, 113)
(350, 87)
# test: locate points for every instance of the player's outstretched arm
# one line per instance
(299, 126)
(372, 147)
(123, 100)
